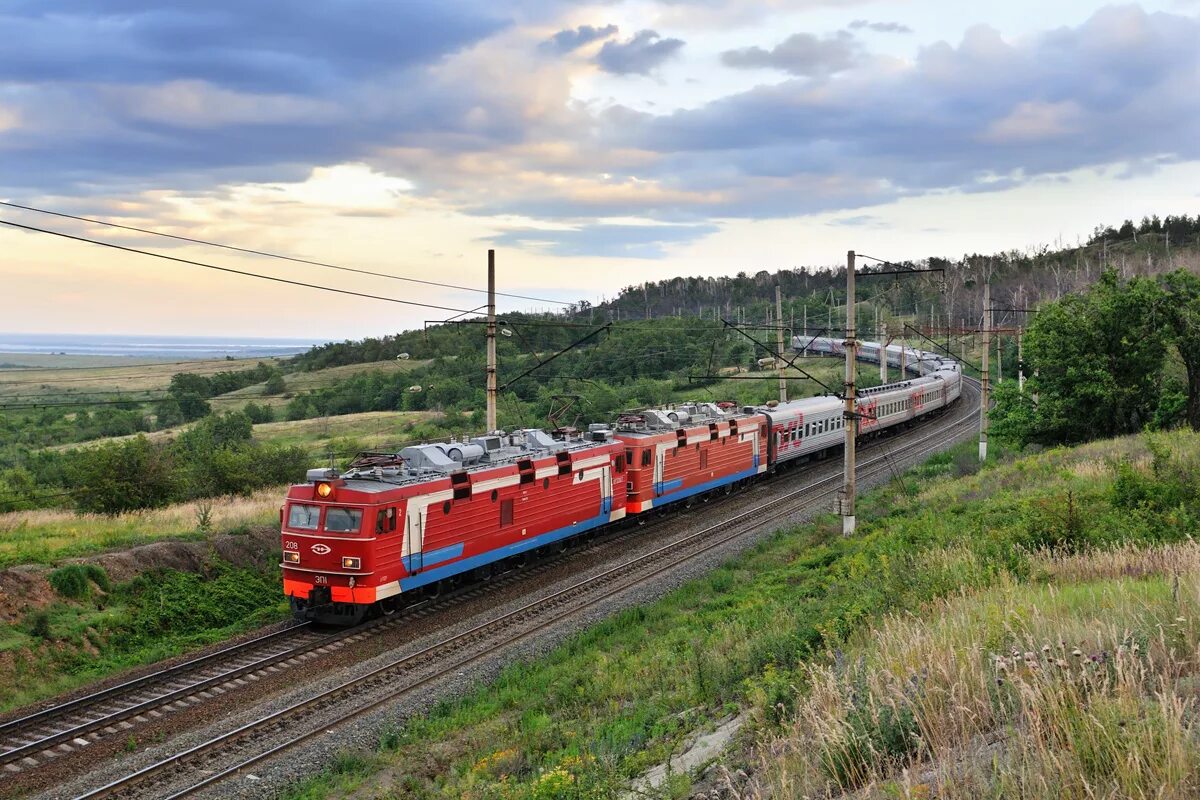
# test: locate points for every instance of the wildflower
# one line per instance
(1029, 656)
(1077, 653)
(1045, 648)
(1062, 664)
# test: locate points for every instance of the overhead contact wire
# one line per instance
(230, 270)
(265, 254)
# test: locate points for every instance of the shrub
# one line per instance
(75, 580)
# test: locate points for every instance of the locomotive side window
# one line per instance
(304, 517)
(645, 458)
(620, 467)
(385, 520)
(343, 520)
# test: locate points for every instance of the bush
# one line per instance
(275, 385)
(75, 580)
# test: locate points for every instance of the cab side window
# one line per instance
(385, 520)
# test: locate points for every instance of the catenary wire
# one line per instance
(266, 254)
(35, 229)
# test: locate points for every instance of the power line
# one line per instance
(222, 269)
(265, 254)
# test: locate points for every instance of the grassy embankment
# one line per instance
(95, 627)
(1023, 556)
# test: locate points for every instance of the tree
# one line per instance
(1183, 307)
(192, 406)
(121, 476)
(1096, 360)
(275, 385)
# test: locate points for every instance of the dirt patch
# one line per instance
(255, 547)
(22, 590)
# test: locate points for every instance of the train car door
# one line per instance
(660, 465)
(414, 539)
(606, 489)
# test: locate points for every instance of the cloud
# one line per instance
(637, 56)
(981, 115)
(571, 39)
(800, 54)
(609, 241)
(880, 27)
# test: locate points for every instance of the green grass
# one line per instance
(623, 695)
(88, 635)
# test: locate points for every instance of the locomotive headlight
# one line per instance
(291, 557)
(324, 489)
(351, 563)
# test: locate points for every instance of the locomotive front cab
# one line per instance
(327, 537)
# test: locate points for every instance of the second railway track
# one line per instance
(187, 771)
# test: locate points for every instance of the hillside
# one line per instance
(1026, 630)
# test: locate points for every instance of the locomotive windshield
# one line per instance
(343, 520)
(304, 517)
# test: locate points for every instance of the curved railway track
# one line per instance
(225, 754)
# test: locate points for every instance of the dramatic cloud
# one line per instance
(572, 39)
(639, 55)
(881, 27)
(464, 108)
(800, 54)
(984, 115)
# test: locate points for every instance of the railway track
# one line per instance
(188, 771)
(49, 734)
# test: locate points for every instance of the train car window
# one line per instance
(506, 512)
(545, 483)
(381, 521)
(645, 458)
(446, 507)
(621, 463)
(495, 494)
(304, 517)
(343, 520)
(629, 456)
(393, 517)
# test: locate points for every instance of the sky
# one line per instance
(593, 145)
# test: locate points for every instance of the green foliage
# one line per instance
(168, 603)
(121, 476)
(1183, 290)
(275, 385)
(75, 581)
(1095, 361)
(258, 414)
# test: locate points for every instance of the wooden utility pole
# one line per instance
(491, 343)
(779, 343)
(849, 523)
(987, 348)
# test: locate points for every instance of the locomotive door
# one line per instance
(414, 539)
(606, 489)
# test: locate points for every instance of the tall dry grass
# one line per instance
(45, 535)
(1086, 688)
